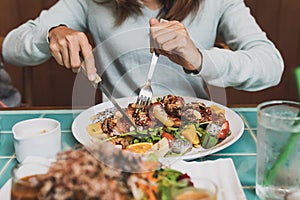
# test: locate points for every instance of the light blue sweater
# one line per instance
(123, 55)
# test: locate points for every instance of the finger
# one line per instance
(90, 66)
(89, 61)
(163, 32)
(55, 52)
(75, 70)
(58, 58)
(153, 21)
(163, 39)
(168, 29)
(61, 45)
(164, 25)
(65, 56)
(175, 45)
(74, 54)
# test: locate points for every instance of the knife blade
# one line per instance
(97, 83)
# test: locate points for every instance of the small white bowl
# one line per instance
(37, 137)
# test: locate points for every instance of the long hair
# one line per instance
(170, 10)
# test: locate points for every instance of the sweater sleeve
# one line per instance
(28, 43)
(252, 64)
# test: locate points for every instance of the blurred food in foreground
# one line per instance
(103, 172)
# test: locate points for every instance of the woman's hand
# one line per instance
(172, 40)
(67, 45)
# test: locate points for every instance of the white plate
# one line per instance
(5, 190)
(221, 171)
(235, 122)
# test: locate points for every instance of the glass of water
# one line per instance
(278, 150)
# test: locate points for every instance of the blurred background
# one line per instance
(51, 85)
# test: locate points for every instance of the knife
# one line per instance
(97, 83)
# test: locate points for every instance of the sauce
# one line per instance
(195, 194)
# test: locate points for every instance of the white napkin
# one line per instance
(221, 171)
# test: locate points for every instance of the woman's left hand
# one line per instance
(172, 40)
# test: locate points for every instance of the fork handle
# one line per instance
(152, 66)
(154, 59)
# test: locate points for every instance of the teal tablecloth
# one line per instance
(242, 152)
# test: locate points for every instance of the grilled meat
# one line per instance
(173, 105)
(206, 113)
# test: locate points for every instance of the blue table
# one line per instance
(243, 152)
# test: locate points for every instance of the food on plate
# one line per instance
(105, 172)
(195, 194)
(183, 124)
(142, 147)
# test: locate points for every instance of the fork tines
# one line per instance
(141, 105)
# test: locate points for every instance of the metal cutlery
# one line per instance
(145, 94)
(97, 83)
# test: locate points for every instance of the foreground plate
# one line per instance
(235, 122)
(221, 171)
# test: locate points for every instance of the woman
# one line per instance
(120, 29)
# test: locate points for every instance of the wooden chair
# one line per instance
(1, 42)
(27, 81)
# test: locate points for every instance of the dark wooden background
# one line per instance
(53, 84)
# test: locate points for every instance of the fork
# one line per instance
(145, 94)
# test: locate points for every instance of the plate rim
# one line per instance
(224, 144)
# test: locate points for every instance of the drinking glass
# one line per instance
(278, 150)
(24, 186)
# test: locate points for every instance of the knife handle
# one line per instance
(97, 79)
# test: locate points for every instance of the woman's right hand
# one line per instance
(68, 45)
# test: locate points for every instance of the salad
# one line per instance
(168, 125)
